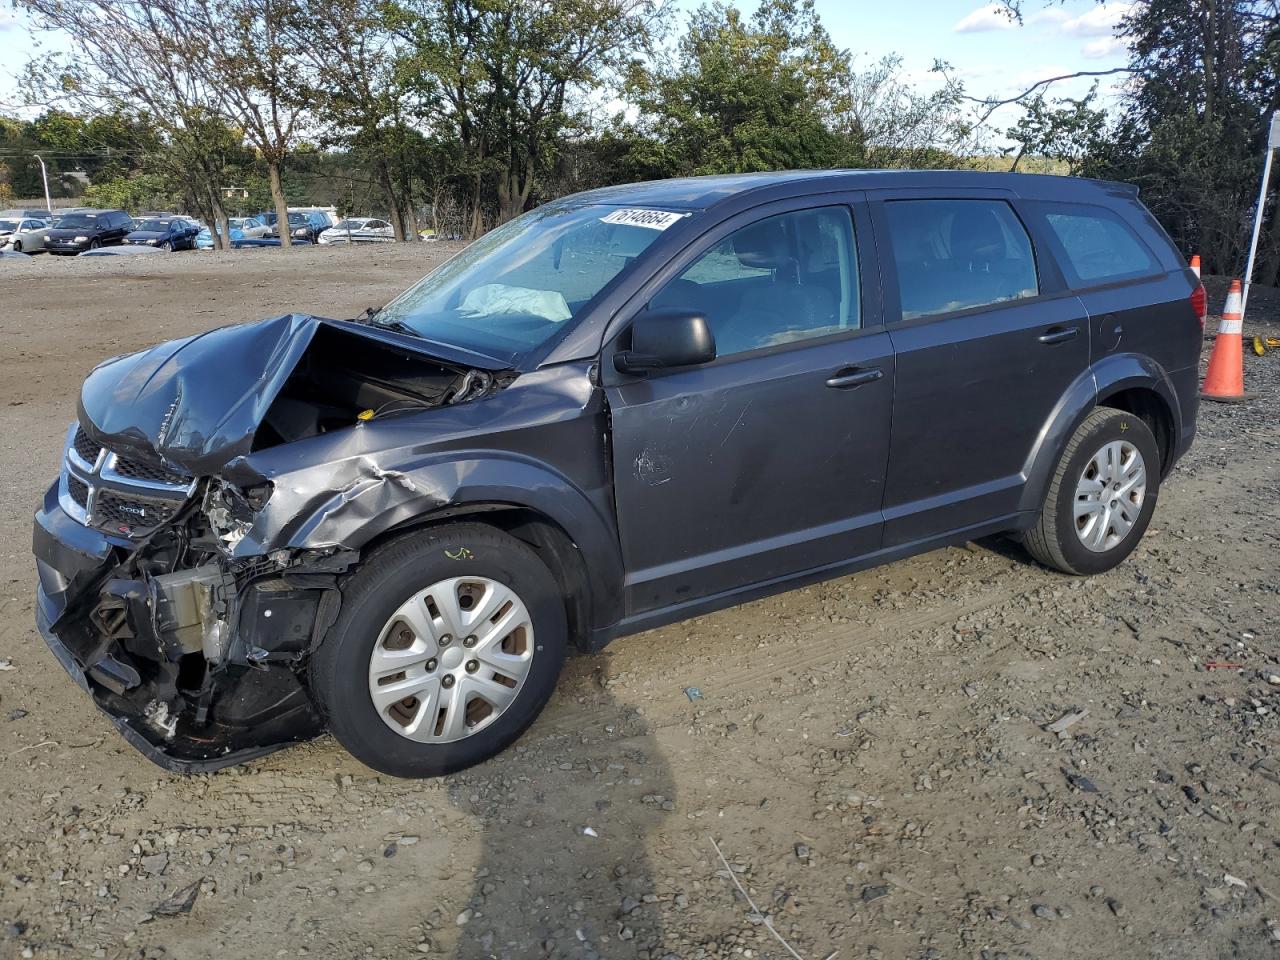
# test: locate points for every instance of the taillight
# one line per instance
(1200, 303)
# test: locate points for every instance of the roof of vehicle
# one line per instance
(703, 193)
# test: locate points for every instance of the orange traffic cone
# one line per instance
(1195, 264)
(1225, 380)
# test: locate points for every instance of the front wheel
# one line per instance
(94, 245)
(1101, 496)
(447, 647)
(17, 246)
(167, 246)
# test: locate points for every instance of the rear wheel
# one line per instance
(1101, 496)
(447, 647)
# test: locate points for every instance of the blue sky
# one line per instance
(992, 55)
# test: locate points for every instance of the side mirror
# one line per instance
(667, 338)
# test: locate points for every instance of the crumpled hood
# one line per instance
(197, 402)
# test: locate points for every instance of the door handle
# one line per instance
(853, 377)
(1059, 334)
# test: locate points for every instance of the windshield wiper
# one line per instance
(370, 317)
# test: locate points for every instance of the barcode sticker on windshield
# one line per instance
(653, 219)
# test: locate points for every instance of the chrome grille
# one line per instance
(137, 470)
(111, 508)
(119, 495)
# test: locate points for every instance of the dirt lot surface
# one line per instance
(872, 754)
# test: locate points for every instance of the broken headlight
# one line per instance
(231, 511)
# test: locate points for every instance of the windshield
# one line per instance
(153, 226)
(8, 225)
(348, 224)
(516, 287)
(73, 221)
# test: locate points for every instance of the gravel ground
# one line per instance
(877, 756)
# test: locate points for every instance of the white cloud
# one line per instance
(990, 17)
(1100, 21)
(1102, 47)
(1052, 15)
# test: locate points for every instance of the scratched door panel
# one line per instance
(747, 470)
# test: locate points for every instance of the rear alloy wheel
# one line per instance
(1101, 495)
(448, 645)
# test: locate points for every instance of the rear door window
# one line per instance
(958, 254)
(1098, 246)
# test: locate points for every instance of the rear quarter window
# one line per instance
(1097, 246)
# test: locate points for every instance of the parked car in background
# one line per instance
(88, 230)
(251, 227)
(303, 225)
(358, 230)
(23, 213)
(169, 233)
(242, 228)
(56, 216)
(23, 234)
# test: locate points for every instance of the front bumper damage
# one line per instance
(216, 489)
(200, 667)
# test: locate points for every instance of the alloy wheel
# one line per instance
(1109, 495)
(451, 659)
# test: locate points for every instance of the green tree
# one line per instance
(138, 58)
(1063, 130)
(1192, 130)
(359, 93)
(510, 79)
(250, 57)
(744, 94)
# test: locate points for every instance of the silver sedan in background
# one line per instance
(23, 234)
(358, 230)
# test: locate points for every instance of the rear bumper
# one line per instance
(1186, 387)
(250, 709)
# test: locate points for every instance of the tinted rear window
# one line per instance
(1099, 247)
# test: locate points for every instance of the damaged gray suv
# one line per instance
(623, 409)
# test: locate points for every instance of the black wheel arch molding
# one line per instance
(1118, 380)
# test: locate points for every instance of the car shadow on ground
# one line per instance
(568, 819)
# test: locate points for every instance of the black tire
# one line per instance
(1053, 540)
(167, 247)
(94, 244)
(17, 246)
(340, 666)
